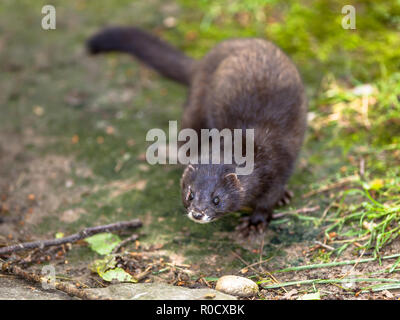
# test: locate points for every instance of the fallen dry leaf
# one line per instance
(75, 139)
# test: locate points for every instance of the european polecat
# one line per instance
(244, 83)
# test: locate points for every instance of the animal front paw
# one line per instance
(256, 223)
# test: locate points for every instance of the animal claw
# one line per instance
(286, 198)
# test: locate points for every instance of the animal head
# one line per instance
(210, 190)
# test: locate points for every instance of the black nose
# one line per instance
(197, 215)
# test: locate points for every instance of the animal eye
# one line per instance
(191, 196)
(216, 200)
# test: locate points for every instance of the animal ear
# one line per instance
(232, 179)
(187, 170)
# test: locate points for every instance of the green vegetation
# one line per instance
(98, 110)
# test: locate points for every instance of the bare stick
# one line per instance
(87, 232)
(329, 281)
(326, 211)
(334, 264)
(302, 210)
(132, 238)
(251, 267)
(143, 274)
(323, 245)
(64, 287)
(260, 262)
(335, 185)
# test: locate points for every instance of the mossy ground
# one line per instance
(94, 113)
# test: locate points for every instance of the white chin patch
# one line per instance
(204, 219)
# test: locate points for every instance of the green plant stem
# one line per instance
(335, 264)
(326, 281)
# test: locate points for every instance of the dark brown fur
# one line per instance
(241, 83)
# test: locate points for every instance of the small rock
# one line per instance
(290, 294)
(388, 294)
(170, 22)
(12, 288)
(38, 110)
(69, 183)
(237, 286)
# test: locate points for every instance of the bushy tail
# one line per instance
(156, 53)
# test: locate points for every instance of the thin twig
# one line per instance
(251, 267)
(354, 266)
(143, 274)
(302, 210)
(326, 211)
(260, 262)
(261, 253)
(64, 287)
(352, 240)
(132, 238)
(245, 262)
(335, 185)
(87, 232)
(332, 281)
(334, 264)
(325, 246)
(362, 167)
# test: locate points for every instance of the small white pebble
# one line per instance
(69, 183)
(237, 286)
(170, 22)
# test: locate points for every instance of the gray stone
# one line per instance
(237, 286)
(157, 291)
(12, 288)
